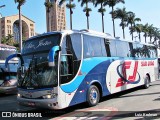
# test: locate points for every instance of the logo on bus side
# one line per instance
(121, 70)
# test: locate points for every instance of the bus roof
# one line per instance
(88, 32)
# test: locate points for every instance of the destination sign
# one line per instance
(41, 43)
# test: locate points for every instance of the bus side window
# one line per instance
(113, 49)
(93, 46)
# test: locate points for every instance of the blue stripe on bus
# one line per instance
(87, 65)
(96, 75)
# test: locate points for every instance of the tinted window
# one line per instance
(70, 57)
(143, 51)
(152, 51)
(122, 49)
(72, 45)
(92, 46)
(112, 46)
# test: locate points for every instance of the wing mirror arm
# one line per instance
(13, 56)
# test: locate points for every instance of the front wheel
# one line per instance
(146, 82)
(93, 96)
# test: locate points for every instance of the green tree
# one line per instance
(122, 15)
(20, 3)
(101, 10)
(145, 30)
(48, 6)
(156, 34)
(150, 31)
(138, 29)
(111, 4)
(70, 6)
(131, 20)
(87, 10)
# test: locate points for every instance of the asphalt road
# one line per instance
(137, 103)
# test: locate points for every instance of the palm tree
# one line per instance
(131, 20)
(138, 29)
(145, 30)
(20, 3)
(86, 9)
(150, 31)
(70, 6)
(48, 6)
(121, 14)
(101, 10)
(156, 34)
(112, 3)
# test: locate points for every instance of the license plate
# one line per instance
(31, 103)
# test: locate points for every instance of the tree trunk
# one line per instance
(102, 19)
(70, 18)
(132, 32)
(20, 30)
(87, 16)
(70, 15)
(113, 22)
(145, 37)
(139, 37)
(150, 38)
(87, 22)
(123, 33)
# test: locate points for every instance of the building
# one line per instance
(56, 16)
(10, 25)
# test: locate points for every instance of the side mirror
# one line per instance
(52, 54)
(13, 56)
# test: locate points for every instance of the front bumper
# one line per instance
(39, 103)
(8, 90)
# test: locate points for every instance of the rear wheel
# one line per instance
(93, 96)
(146, 82)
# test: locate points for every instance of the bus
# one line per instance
(8, 79)
(64, 68)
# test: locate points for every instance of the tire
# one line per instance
(93, 95)
(146, 82)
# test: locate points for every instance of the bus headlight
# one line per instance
(49, 96)
(19, 95)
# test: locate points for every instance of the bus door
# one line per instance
(70, 60)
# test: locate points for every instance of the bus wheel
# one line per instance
(93, 96)
(146, 82)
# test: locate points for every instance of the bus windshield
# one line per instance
(39, 75)
(35, 55)
(11, 73)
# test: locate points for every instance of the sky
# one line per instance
(147, 10)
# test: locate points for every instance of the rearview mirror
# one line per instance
(14, 56)
(52, 54)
